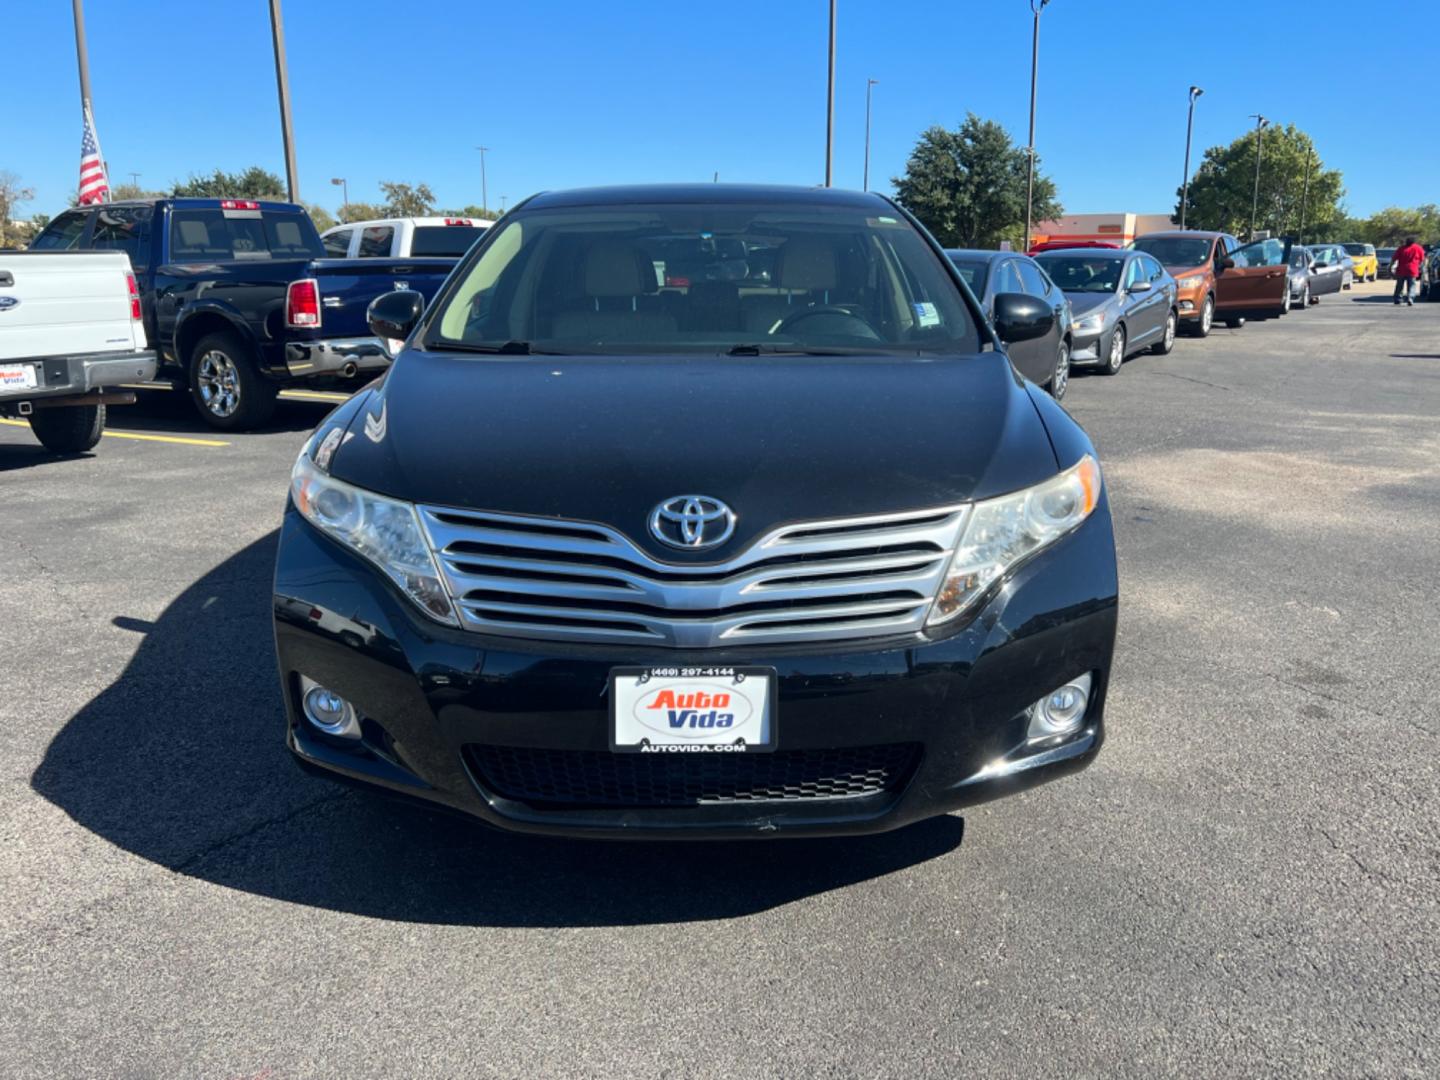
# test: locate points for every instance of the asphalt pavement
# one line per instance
(1246, 883)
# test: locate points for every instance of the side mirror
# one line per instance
(1225, 263)
(1139, 286)
(1021, 317)
(393, 315)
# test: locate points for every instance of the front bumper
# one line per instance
(1086, 348)
(438, 704)
(341, 356)
(73, 376)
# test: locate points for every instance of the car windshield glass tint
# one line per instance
(1083, 273)
(62, 234)
(443, 240)
(1269, 252)
(1355, 249)
(213, 235)
(974, 274)
(1178, 251)
(704, 278)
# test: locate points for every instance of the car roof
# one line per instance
(1197, 234)
(1093, 253)
(982, 255)
(707, 193)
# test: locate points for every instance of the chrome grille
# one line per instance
(549, 578)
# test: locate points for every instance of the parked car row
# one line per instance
(238, 298)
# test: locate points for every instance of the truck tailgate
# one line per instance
(348, 285)
(65, 303)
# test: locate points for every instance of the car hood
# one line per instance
(780, 439)
(1178, 272)
(1082, 303)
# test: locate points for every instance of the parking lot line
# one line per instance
(314, 395)
(140, 435)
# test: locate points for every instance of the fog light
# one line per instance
(328, 711)
(1187, 305)
(1062, 710)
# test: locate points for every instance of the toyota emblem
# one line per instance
(693, 522)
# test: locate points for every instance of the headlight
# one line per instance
(385, 531)
(1089, 324)
(1194, 281)
(1002, 532)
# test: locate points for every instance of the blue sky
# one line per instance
(570, 93)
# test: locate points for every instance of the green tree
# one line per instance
(1393, 225)
(13, 232)
(402, 200)
(361, 211)
(120, 192)
(319, 215)
(252, 183)
(968, 186)
(471, 211)
(1223, 187)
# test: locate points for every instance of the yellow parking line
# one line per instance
(314, 395)
(137, 435)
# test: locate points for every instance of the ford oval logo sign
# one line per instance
(693, 522)
(7, 302)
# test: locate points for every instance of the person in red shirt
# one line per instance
(1405, 267)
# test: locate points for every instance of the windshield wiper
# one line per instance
(508, 348)
(752, 349)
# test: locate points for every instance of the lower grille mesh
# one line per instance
(575, 779)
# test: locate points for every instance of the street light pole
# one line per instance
(1305, 191)
(82, 54)
(830, 106)
(344, 195)
(1260, 123)
(1036, 8)
(1195, 92)
(282, 83)
(869, 84)
(484, 190)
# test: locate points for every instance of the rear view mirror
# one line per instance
(394, 314)
(1021, 317)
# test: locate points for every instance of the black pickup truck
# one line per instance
(239, 300)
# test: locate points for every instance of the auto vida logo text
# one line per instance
(693, 522)
(698, 712)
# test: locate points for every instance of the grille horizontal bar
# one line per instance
(581, 581)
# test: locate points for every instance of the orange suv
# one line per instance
(1196, 260)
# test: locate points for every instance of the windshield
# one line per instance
(1354, 249)
(1083, 273)
(1386, 253)
(1175, 250)
(973, 271)
(703, 278)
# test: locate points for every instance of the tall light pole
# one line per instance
(1036, 6)
(282, 84)
(502, 204)
(82, 54)
(1195, 92)
(1260, 123)
(484, 191)
(830, 106)
(340, 182)
(869, 84)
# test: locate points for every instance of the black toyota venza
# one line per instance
(698, 511)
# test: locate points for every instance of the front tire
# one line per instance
(1207, 318)
(70, 429)
(1167, 339)
(1116, 358)
(226, 385)
(1060, 376)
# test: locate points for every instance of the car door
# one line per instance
(1162, 290)
(1255, 276)
(1042, 357)
(1136, 301)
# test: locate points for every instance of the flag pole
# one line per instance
(82, 53)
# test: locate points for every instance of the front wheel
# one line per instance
(1117, 352)
(70, 429)
(226, 386)
(1167, 340)
(1060, 376)
(1207, 317)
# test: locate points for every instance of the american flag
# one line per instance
(93, 186)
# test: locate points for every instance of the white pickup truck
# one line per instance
(403, 238)
(70, 337)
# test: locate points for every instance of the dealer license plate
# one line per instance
(697, 710)
(17, 376)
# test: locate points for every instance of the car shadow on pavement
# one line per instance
(172, 412)
(181, 761)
